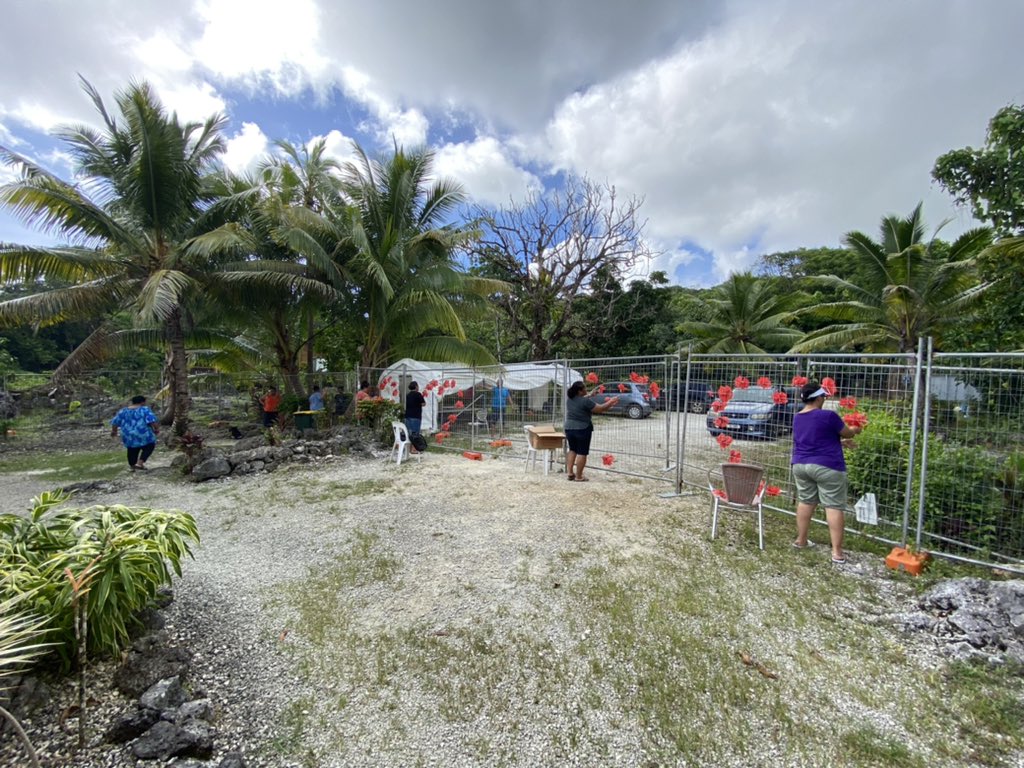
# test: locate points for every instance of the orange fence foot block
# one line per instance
(904, 560)
(473, 455)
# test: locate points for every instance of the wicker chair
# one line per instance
(744, 490)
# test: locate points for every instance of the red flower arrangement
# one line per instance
(724, 440)
(601, 389)
(440, 436)
(848, 402)
(592, 378)
(829, 385)
(608, 459)
(452, 418)
(459, 394)
(856, 419)
(623, 388)
(725, 394)
(735, 457)
(655, 390)
(780, 398)
(722, 422)
(741, 382)
(636, 378)
(720, 494)
(773, 490)
(459, 404)
(764, 382)
(717, 406)
(799, 381)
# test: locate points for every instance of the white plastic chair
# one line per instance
(531, 452)
(403, 445)
(744, 490)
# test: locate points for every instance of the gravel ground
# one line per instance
(464, 552)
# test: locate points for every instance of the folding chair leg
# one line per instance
(714, 518)
(760, 527)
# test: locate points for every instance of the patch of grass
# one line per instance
(68, 467)
(337, 490)
(865, 745)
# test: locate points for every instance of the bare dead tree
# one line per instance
(550, 248)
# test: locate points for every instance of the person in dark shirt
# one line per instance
(579, 428)
(414, 402)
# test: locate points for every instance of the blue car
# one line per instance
(754, 413)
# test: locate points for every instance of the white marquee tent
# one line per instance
(536, 379)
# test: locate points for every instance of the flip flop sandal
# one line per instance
(808, 545)
(571, 478)
(838, 561)
(582, 479)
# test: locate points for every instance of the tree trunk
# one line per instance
(179, 372)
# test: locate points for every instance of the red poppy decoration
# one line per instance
(780, 398)
(741, 382)
(725, 394)
(459, 404)
(856, 419)
(601, 388)
(722, 422)
(655, 390)
(452, 417)
(440, 436)
(592, 378)
(799, 381)
(764, 382)
(724, 440)
(720, 494)
(636, 378)
(623, 388)
(460, 394)
(773, 490)
(608, 459)
(829, 385)
(735, 457)
(717, 406)
(848, 402)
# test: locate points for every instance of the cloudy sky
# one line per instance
(748, 126)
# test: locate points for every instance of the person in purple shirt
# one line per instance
(819, 469)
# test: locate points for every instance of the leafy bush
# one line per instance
(132, 553)
(961, 498)
(878, 463)
(378, 413)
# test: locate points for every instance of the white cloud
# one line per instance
(486, 171)
(245, 149)
(338, 146)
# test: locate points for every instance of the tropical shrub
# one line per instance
(377, 414)
(878, 463)
(131, 552)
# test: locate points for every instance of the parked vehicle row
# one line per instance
(756, 413)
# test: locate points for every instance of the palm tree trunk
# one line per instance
(181, 402)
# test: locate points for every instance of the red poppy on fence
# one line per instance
(741, 382)
(856, 419)
(735, 457)
(724, 440)
(459, 404)
(780, 398)
(655, 390)
(799, 381)
(592, 378)
(720, 494)
(608, 459)
(829, 385)
(848, 402)
(451, 383)
(452, 418)
(773, 490)
(459, 394)
(601, 389)
(636, 378)
(722, 422)
(440, 436)
(764, 382)
(623, 388)
(717, 406)
(724, 394)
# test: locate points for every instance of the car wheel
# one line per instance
(635, 412)
(698, 406)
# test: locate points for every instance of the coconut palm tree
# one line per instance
(411, 291)
(142, 197)
(913, 287)
(746, 314)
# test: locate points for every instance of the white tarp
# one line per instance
(535, 378)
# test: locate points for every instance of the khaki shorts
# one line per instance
(816, 484)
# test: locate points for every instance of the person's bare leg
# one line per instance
(804, 513)
(570, 464)
(835, 531)
(581, 463)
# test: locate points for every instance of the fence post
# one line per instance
(909, 490)
(682, 417)
(667, 368)
(924, 446)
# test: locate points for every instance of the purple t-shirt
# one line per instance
(816, 439)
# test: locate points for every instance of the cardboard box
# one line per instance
(546, 437)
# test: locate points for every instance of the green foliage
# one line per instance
(133, 552)
(378, 413)
(990, 180)
(961, 500)
(881, 451)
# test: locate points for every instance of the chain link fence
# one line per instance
(940, 465)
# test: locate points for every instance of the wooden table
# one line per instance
(547, 438)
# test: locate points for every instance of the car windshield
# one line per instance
(753, 395)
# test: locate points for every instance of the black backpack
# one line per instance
(418, 442)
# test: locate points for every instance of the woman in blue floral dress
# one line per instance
(138, 425)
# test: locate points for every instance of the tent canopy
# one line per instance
(515, 376)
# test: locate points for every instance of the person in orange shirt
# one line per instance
(271, 403)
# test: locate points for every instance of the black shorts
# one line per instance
(579, 440)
